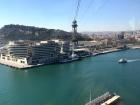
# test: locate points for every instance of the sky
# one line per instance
(94, 15)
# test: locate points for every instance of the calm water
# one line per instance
(70, 84)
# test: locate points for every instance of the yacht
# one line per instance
(122, 60)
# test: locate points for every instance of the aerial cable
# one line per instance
(88, 7)
(99, 8)
(77, 9)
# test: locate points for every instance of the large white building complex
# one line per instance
(24, 53)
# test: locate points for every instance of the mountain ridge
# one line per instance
(21, 32)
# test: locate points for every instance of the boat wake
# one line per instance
(26, 71)
(133, 60)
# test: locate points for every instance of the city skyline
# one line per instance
(94, 15)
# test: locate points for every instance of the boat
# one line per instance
(73, 57)
(68, 60)
(105, 99)
(122, 60)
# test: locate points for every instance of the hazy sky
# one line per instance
(94, 15)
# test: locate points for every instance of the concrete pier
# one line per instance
(16, 65)
(105, 99)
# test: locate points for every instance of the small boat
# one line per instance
(122, 60)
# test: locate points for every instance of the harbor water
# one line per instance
(71, 83)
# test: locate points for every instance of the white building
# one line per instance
(25, 53)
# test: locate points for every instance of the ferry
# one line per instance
(122, 60)
(106, 99)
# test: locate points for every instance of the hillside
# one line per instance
(21, 32)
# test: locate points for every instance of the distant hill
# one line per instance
(21, 32)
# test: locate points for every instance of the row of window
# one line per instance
(13, 59)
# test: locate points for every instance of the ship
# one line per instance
(122, 60)
(105, 99)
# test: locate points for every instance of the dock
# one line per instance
(112, 100)
(105, 99)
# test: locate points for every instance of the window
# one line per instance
(22, 61)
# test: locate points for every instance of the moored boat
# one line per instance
(73, 57)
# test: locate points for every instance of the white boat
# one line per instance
(123, 60)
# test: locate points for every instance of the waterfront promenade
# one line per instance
(24, 66)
